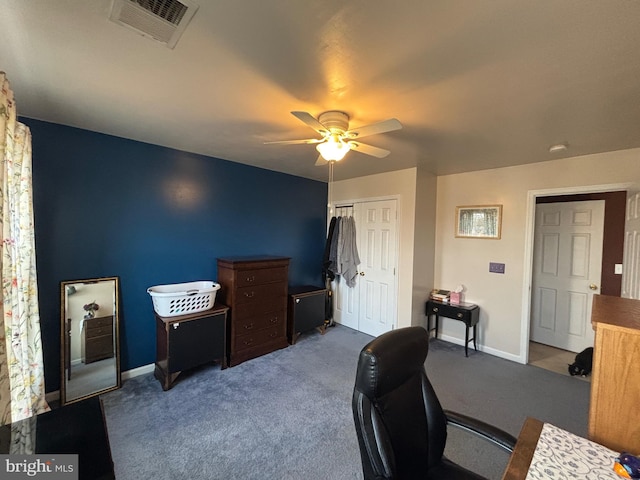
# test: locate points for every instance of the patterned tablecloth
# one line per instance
(562, 455)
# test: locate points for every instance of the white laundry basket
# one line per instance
(183, 298)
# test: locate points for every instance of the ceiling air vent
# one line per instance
(161, 20)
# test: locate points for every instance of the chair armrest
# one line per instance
(493, 434)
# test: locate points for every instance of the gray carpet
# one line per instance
(287, 415)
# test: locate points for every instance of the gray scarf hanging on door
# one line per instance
(348, 257)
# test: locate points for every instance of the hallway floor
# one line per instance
(551, 358)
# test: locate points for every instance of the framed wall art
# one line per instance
(479, 221)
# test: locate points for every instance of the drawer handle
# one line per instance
(460, 315)
(274, 320)
(249, 294)
(273, 334)
(248, 326)
(248, 343)
(252, 278)
(435, 309)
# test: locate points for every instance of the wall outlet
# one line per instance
(618, 269)
(496, 267)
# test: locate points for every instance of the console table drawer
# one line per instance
(457, 312)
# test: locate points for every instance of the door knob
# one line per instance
(593, 286)
(362, 274)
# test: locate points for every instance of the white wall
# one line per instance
(458, 260)
(402, 185)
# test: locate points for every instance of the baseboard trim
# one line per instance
(52, 396)
(136, 372)
(483, 348)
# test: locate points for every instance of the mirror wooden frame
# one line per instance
(85, 335)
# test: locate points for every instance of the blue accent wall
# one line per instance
(107, 206)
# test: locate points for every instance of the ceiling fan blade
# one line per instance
(375, 128)
(296, 142)
(368, 149)
(311, 121)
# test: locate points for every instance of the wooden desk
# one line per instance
(520, 460)
(614, 418)
(544, 447)
(468, 313)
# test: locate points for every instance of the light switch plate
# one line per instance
(618, 269)
(496, 267)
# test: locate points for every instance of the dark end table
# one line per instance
(469, 313)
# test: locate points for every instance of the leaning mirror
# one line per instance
(90, 347)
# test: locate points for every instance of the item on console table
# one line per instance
(255, 289)
(440, 295)
(456, 295)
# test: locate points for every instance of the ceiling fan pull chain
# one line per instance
(330, 189)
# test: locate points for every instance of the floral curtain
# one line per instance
(21, 366)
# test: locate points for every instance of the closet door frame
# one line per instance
(348, 305)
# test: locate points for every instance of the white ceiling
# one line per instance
(476, 83)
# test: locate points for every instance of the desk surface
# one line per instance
(544, 449)
(463, 305)
(523, 453)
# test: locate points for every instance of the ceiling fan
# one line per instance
(337, 139)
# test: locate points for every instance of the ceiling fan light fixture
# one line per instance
(334, 149)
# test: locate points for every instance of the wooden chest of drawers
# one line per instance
(97, 339)
(255, 289)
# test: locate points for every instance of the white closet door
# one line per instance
(371, 306)
(377, 245)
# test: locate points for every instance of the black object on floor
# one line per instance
(78, 428)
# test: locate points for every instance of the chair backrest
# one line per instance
(399, 421)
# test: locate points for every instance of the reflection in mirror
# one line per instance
(90, 350)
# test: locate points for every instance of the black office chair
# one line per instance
(401, 426)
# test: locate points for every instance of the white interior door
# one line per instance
(566, 272)
(370, 306)
(378, 253)
(346, 308)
